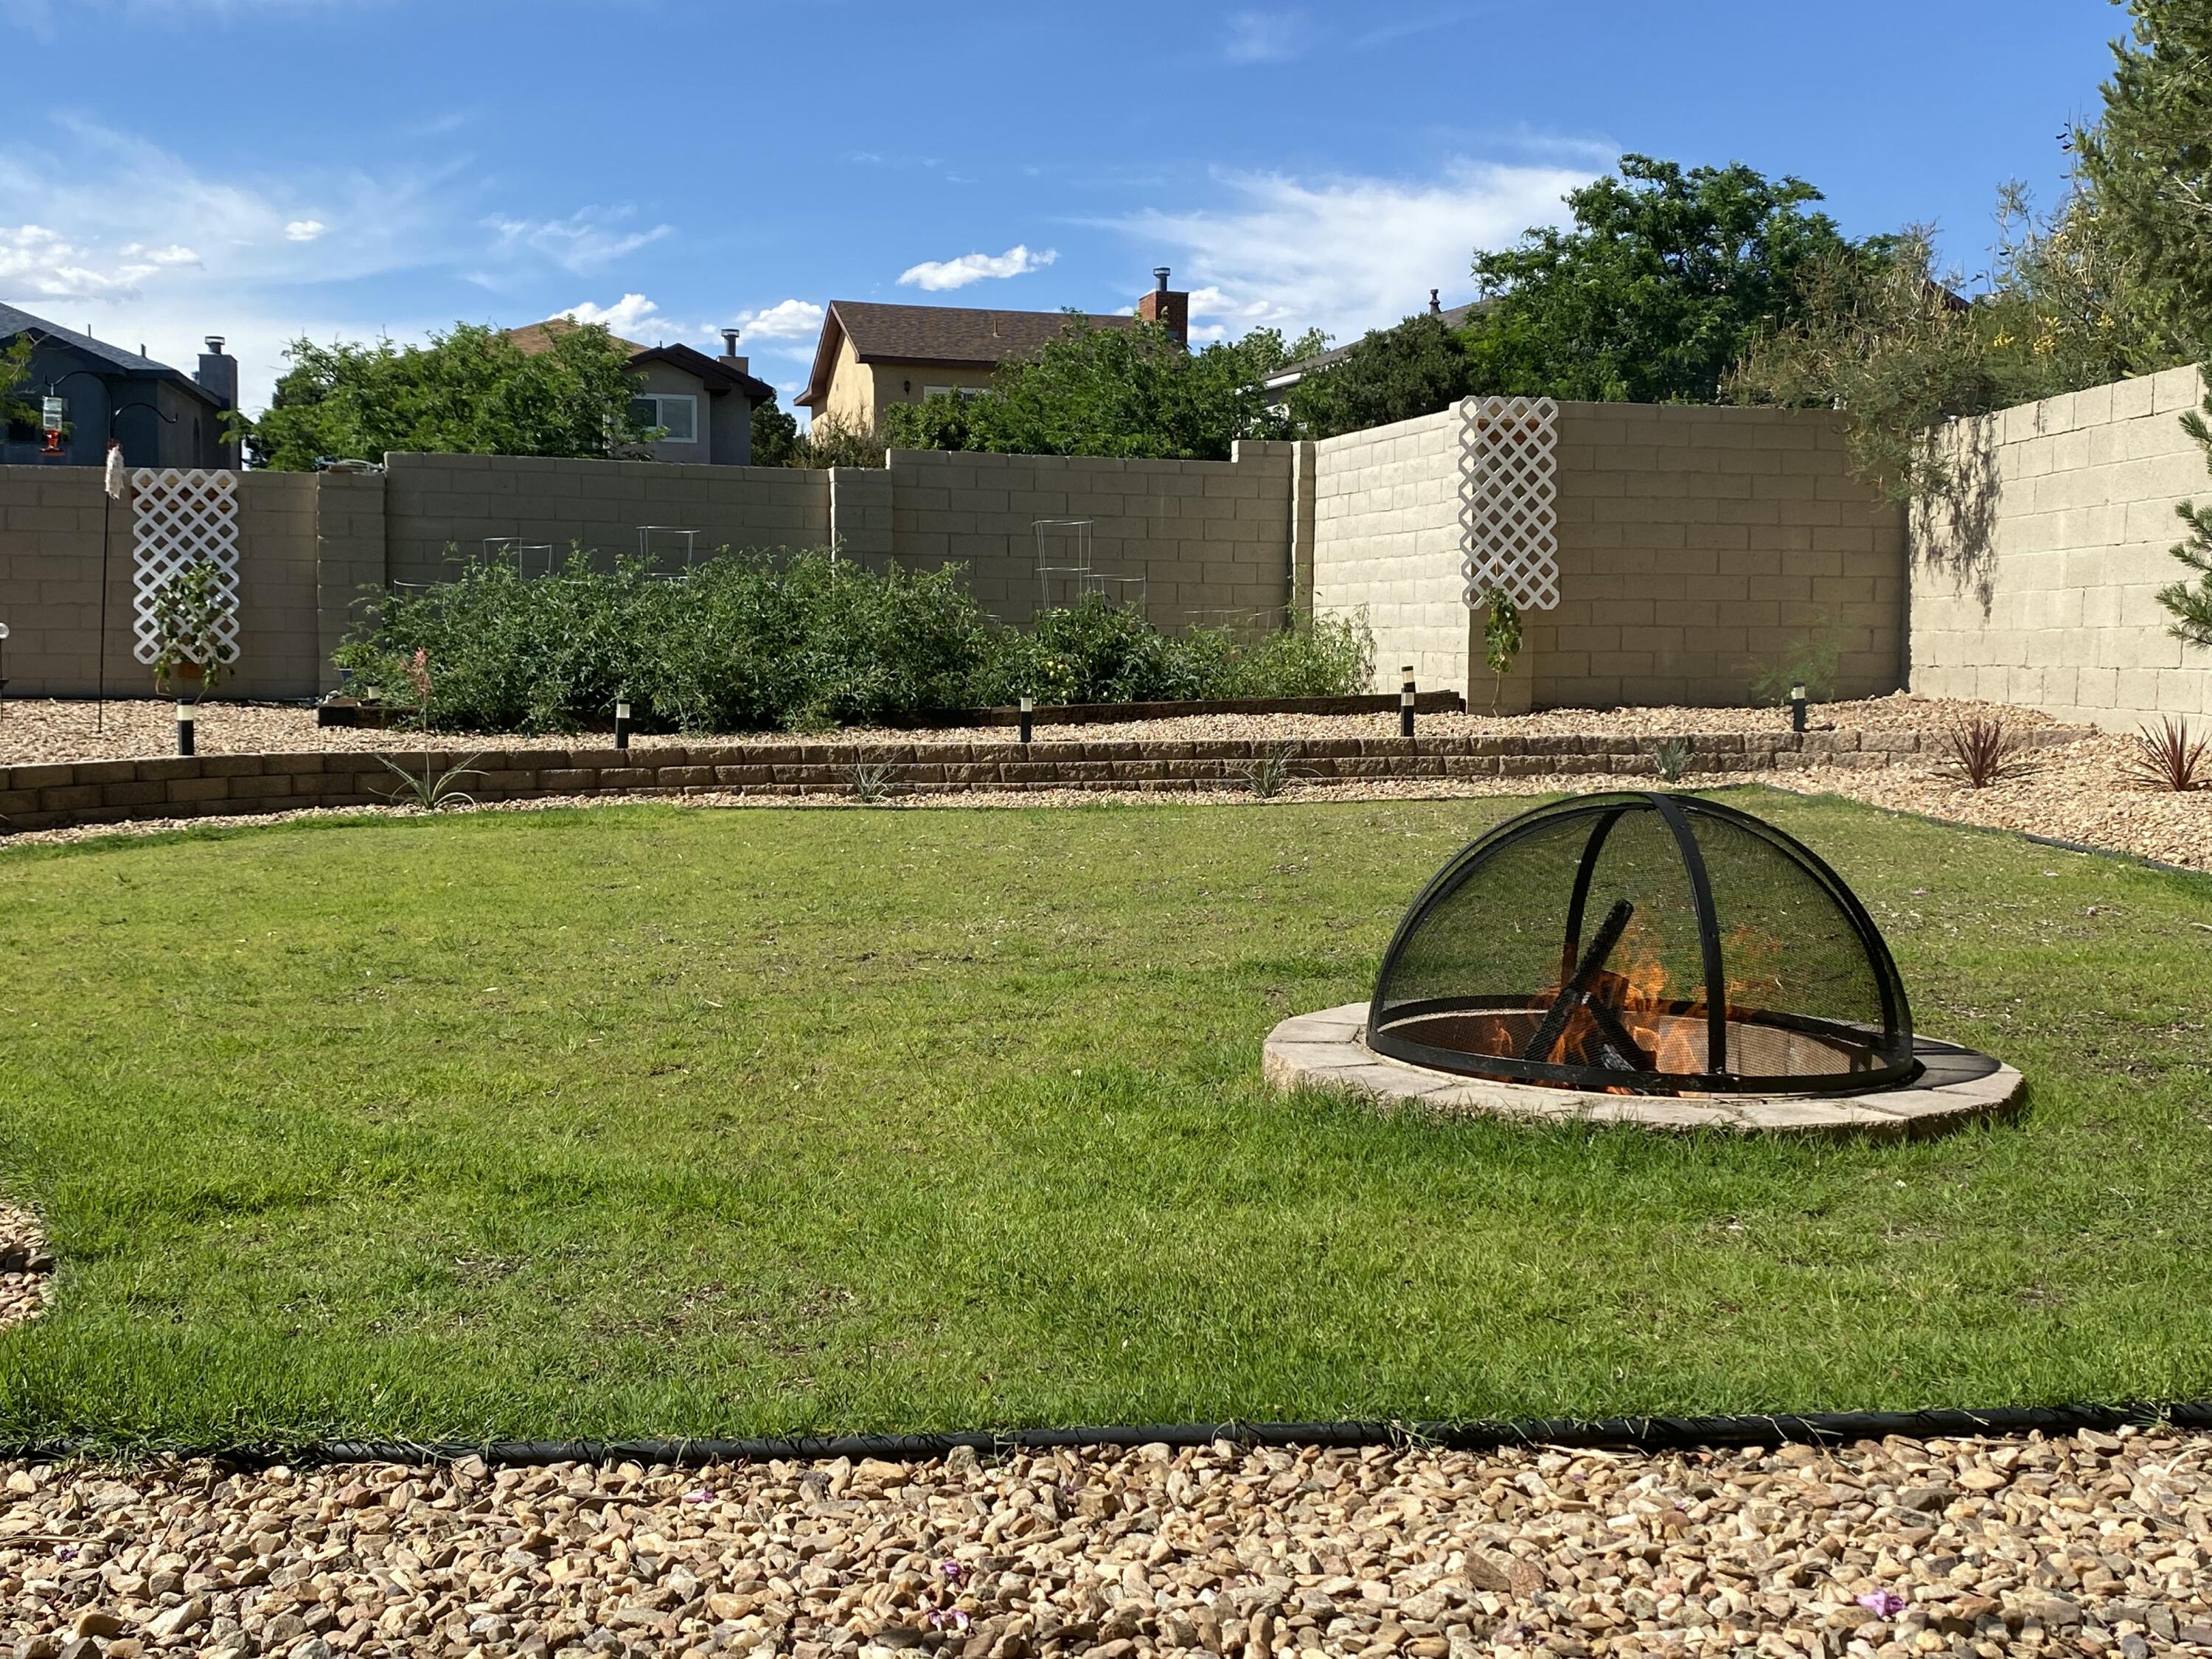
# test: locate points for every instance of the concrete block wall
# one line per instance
(1211, 539)
(2035, 580)
(350, 560)
(1386, 541)
(51, 522)
(1696, 546)
(437, 503)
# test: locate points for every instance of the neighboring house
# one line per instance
(1278, 386)
(162, 417)
(873, 355)
(704, 404)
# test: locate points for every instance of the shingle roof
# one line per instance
(15, 321)
(940, 336)
(1450, 317)
(532, 338)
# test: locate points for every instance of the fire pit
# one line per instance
(1605, 955)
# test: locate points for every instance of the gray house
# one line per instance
(703, 406)
(161, 417)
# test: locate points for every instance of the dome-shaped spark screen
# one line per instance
(1645, 943)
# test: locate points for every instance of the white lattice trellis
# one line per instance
(183, 518)
(1508, 501)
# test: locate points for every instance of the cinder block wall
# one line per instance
(1211, 539)
(1696, 546)
(1386, 540)
(50, 560)
(434, 503)
(2035, 579)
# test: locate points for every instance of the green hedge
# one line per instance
(743, 642)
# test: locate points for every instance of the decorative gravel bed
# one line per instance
(2094, 1544)
(41, 732)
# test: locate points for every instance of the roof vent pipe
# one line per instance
(214, 345)
(1435, 309)
(1160, 277)
(729, 341)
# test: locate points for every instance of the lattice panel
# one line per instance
(182, 518)
(1508, 500)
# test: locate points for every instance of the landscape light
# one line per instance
(622, 723)
(1406, 702)
(1797, 707)
(1029, 706)
(184, 728)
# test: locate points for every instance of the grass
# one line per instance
(647, 1121)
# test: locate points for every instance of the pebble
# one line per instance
(27, 1278)
(2099, 1548)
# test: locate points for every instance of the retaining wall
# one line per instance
(181, 786)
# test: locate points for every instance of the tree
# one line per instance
(14, 375)
(775, 432)
(2145, 168)
(471, 390)
(1665, 278)
(1129, 392)
(1417, 367)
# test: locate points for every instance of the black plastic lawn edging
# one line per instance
(1644, 1434)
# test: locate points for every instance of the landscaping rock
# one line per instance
(1440, 1554)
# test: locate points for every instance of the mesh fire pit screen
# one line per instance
(1646, 944)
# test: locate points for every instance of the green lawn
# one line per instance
(647, 1121)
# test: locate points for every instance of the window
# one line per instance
(679, 415)
(955, 391)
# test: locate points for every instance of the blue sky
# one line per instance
(265, 169)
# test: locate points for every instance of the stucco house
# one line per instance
(704, 404)
(161, 417)
(871, 356)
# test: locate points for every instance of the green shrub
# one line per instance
(746, 642)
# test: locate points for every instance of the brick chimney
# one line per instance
(1166, 306)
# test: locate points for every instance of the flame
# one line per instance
(1668, 1026)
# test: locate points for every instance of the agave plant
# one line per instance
(434, 789)
(1267, 775)
(871, 782)
(1670, 758)
(2167, 758)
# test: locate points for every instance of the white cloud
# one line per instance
(630, 313)
(1348, 253)
(786, 319)
(304, 230)
(937, 275)
(161, 254)
(1266, 37)
(587, 240)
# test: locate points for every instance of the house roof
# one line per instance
(110, 358)
(1290, 374)
(935, 337)
(534, 337)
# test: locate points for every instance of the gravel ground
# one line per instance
(2093, 1545)
(33, 731)
(27, 1272)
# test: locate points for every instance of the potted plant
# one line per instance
(190, 611)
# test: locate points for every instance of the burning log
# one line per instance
(1580, 993)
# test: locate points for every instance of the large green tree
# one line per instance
(471, 391)
(1129, 392)
(1416, 367)
(1666, 273)
(2146, 167)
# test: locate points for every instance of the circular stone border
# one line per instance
(1326, 1050)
